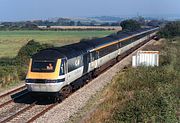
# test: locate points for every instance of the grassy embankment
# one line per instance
(12, 41)
(16, 49)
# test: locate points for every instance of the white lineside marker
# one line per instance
(146, 58)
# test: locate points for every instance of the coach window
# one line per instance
(93, 56)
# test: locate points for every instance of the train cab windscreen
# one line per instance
(43, 66)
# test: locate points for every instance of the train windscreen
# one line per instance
(43, 66)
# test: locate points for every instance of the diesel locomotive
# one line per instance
(55, 70)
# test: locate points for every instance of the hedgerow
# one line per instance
(153, 99)
(15, 69)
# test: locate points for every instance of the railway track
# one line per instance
(12, 110)
(41, 113)
(29, 113)
(18, 113)
(13, 91)
(10, 96)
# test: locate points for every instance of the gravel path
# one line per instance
(62, 112)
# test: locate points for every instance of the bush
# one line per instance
(15, 69)
(28, 50)
(5, 61)
(153, 99)
(130, 25)
(8, 74)
(147, 107)
(170, 30)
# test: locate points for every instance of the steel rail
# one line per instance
(19, 112)
(13, 91)
(41, 113)
(12, 100)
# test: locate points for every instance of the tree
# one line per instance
(71, 23)
(105, 24)
(170, 30)
(154, 23)
(141, 20)
(79, 23)
(115, 24)
(28, 50)
(130, 25)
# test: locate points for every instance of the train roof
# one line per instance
(48, 54)
(113, 37)
(82, 47)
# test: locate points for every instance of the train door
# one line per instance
(86, 61)
(119, 48)
(97, 57)
(63, 69)
(93, 62)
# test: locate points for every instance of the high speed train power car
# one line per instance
(55, 70)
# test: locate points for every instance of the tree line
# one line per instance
(33, 25)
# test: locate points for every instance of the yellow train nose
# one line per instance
(44, 75)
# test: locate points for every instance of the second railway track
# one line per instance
(13, 91)
(28, 113)
(10, 96)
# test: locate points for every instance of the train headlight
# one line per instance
(30, 81)
(44, 80)
(51, 81)
(55, 81)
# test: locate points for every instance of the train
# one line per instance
(58, 70)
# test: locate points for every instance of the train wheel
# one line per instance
(89, 78)
(66, 91)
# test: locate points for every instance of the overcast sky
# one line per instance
(12, 10)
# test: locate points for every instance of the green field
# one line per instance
(12, 41)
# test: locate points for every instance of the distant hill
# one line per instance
(99, 19)
(107, 18)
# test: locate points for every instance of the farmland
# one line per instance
(12, 41)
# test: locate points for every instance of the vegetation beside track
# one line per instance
(171, 30)
(130, 25)
(13, 70)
